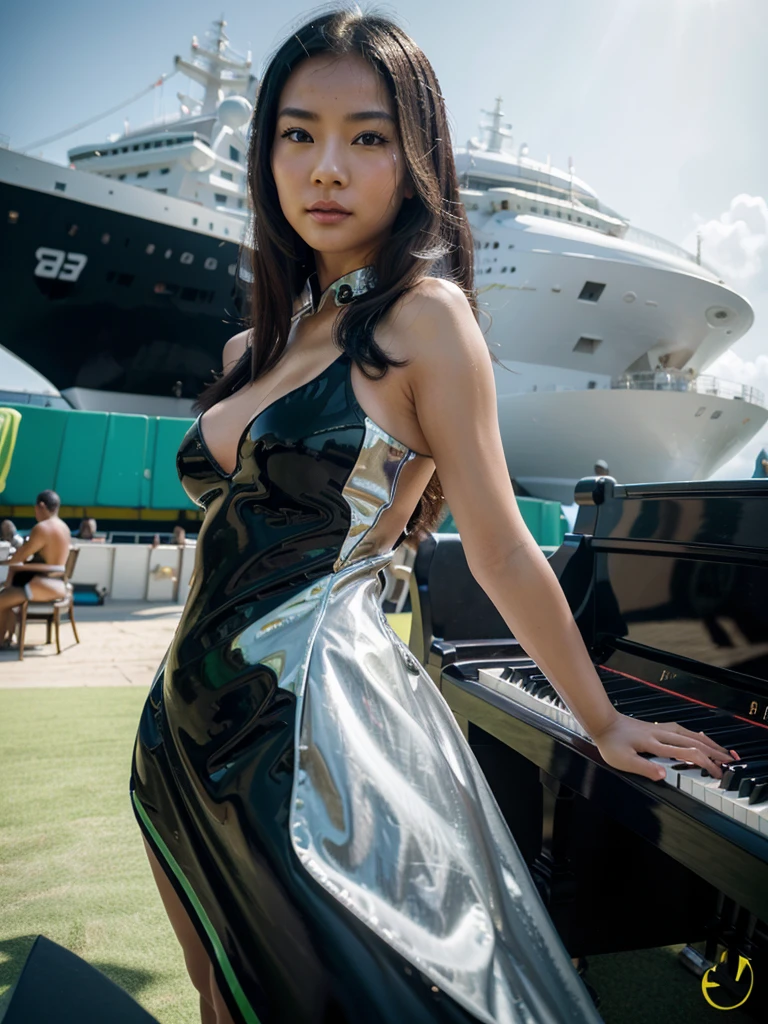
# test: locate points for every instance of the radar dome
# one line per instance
(234, 111)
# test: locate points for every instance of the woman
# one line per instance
(323, 840)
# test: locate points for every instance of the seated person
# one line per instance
(87, 530)
(47, 545)
(9, 535)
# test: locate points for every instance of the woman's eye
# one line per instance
(371, 139)
(290, 132)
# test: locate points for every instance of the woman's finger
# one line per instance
(675, 733)
(693, 755)
(698, 736)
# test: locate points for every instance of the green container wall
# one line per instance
(543, 518)
(97, 459)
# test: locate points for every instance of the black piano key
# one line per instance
(625, 687)
(759, 794)
(748, 784)
(738, 770)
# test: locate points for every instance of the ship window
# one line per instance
(578, 220)
(570, 217)
(559, 214)
(142, 174)
(147, 145)
(121, 177)
(135, 149)
(240, 204)
(495, 245)
(534, 209)
(194, 221)
(105, 238)
(226, 175)
(123, 149)
(546, 213)
(162, 191)
(716, 414)
(504, 204)
(587, 345)
(210, 225)
(234, 154)
(219, 197)
(503, 270)
(165, 170)
(150, 249)
(60, 186)
(157, 144)
(13, 216)
(591, 291)
(72, 230)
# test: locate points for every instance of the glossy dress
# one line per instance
(297, 773)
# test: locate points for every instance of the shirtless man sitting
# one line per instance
(46, 546)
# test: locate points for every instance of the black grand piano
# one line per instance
(669, 586)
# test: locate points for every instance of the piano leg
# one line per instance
(552, 870)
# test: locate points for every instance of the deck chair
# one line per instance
(50, 612)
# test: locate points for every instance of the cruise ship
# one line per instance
(125, 282)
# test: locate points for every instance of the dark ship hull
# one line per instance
(105, 300)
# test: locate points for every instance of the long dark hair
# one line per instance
(430, 234)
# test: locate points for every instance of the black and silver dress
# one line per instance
(297, 773)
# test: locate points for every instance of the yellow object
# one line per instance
(9, 431)
(709, 984)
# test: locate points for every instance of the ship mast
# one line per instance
(217, 68)
(497, 131)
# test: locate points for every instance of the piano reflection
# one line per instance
(668, 584)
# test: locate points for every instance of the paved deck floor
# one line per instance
(121, 644)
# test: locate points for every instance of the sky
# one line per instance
(661, 104)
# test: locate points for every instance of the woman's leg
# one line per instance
(213, 1009)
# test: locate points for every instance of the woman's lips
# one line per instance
(328, 216)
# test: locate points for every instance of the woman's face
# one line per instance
(336, 142)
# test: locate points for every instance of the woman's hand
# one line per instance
(624, 741)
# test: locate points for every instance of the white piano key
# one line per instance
(762, 820)
(707, 790)
(730, 801)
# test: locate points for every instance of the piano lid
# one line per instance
(681, 569)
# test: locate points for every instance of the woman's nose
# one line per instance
(329, 168)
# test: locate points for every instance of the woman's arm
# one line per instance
(454, 396)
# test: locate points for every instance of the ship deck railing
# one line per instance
(680, 380)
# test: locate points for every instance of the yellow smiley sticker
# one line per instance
(722, 990)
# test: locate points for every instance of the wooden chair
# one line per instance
(50, 612)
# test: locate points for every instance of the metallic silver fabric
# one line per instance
(370, 489)
(392, 816)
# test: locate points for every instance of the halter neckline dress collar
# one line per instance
(344, 289)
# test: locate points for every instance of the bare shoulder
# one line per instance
(234, 348)
(435, 322)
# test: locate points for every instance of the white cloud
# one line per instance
(754, 372)
(736, 242)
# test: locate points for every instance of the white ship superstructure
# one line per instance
(602, 330)
(125, 295)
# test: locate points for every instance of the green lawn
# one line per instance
(72, 866)
(72, 863)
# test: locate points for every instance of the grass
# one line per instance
(72, 862)
(72, 866)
